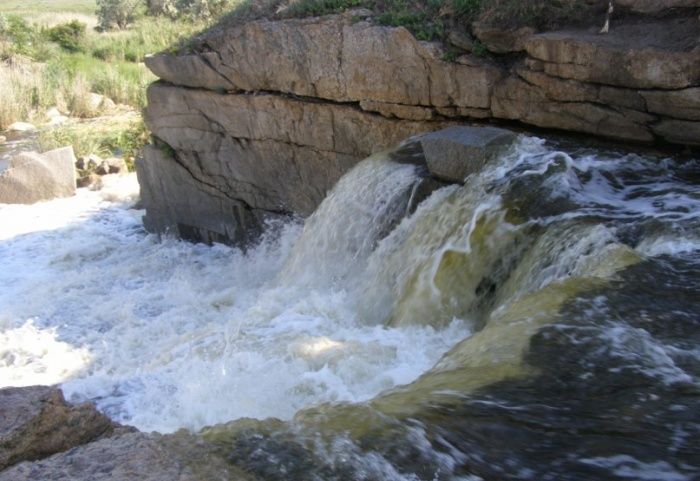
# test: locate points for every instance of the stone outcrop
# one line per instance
(36, 422)
(32, 177)
(42, 437)
(264, 118)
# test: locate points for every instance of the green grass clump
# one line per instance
(122, 136)
(71, 62)
(70, 36)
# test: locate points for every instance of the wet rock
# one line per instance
(123, 458)
(36, 422)
(230, 188)
(455, 153)
(33, 177)
(102, 168)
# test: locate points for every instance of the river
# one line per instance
(540, 322)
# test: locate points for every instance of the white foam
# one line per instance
(628, 467)
(168, 334)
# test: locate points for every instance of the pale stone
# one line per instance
(626, 57)
(33, 177)
(455, 153)
(21, 127)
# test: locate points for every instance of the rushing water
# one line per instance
(540, 322)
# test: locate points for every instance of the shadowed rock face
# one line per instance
(269, 115)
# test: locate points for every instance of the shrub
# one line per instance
(119, 13)
(19, 33)
(167, 8)
(70, 36)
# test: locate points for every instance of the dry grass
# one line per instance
(21, 90)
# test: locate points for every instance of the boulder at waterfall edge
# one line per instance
(455, 153)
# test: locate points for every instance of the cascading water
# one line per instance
(540, 322)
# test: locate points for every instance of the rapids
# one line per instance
(540, 322)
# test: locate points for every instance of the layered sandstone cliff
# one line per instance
(264, 118)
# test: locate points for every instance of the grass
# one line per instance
(118, 135)
(429, 19)
(44, 64)
(109, 63)
(23, 7)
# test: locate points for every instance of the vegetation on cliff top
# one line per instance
(432, 19)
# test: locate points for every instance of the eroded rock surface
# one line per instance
(36, 422)
(128, 457)
(267, 116)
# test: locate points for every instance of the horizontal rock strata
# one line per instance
(265, 118)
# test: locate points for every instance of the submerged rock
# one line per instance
(33, 177)
(36, 422)
(455, 153)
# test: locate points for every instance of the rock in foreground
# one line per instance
(32, 177)
(36, 422)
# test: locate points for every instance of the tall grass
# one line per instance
(110, 64)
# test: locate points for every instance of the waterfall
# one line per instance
(538, 322)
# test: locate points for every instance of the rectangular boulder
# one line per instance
(454, 153)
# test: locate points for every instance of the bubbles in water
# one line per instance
(167, 334)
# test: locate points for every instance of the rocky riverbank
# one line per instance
(44, 437)
(265, 116)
